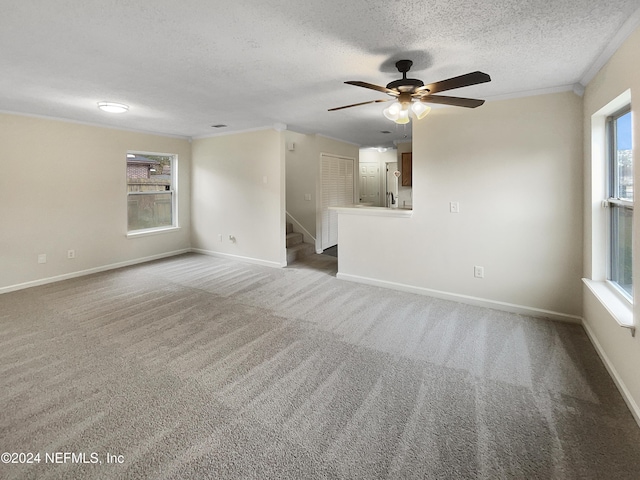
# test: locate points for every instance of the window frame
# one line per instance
(173, 191)
(613, 201)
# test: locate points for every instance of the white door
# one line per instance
(336, 189)
(370, 183)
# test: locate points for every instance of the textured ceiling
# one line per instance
(184, 66)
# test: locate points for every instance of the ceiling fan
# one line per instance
(412, 94)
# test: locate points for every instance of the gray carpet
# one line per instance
(198, 367)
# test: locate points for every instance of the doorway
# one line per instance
(391, 184)
(337, 177)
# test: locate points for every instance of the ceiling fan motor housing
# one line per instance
(405, 84)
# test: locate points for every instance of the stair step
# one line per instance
(289, 227)
(299, 251)
(294, 239)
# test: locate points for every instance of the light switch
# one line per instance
(307, 197)
(454, 207)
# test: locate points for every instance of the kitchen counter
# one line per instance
(401, 212)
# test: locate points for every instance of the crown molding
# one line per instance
(95, 124)
(627, 28)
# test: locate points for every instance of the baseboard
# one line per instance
(80, 273)
(626, 395)
(466, 299)
(256, 261)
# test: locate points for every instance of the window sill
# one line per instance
(619, 308)
(151, 231)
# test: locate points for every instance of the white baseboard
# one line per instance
(626, 395)
(239, 258)
(80, 273)
(469, 300)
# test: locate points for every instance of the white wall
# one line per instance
(237, 189)
(302, 174)
(63, 186)
(515, 167)
(620, 351)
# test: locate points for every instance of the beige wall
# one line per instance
(301, 177)
(238, 189)
(63, 186)
(515, 167)
(620, 351)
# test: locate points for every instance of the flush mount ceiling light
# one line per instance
(113, 107)
(411, 94)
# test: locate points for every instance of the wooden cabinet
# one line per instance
(406, 169)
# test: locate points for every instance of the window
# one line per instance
(151, 191)
(620, 201)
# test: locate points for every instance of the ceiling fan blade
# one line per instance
(455, 101)
(361, 103)
(377, 88)
(472, 78)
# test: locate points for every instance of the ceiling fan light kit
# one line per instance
(399, 112)
(411, 94)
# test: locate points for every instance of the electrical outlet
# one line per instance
(232, 239)
(454, 207)
(42, 258)
(478, 272)
(71, 254)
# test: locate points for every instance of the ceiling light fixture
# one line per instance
(399, 111)
(113, 107)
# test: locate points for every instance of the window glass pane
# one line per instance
(621, 247)
(149, 191)
(149, 210)
(621, 215)
(623, 159)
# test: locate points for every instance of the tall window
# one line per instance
(620, 200)
(151, 191)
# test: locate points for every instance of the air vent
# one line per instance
(220, 125)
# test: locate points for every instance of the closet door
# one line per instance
(337, 177)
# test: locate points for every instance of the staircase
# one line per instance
(296, 248)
